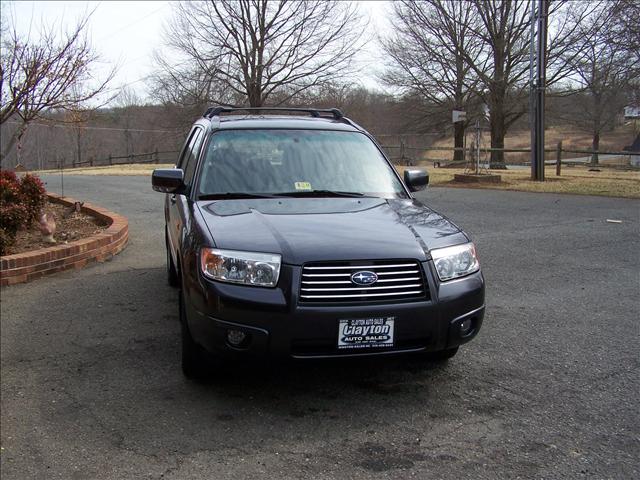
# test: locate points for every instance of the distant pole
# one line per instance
(478, 146)
(532, 84)
(464, 147)
(537, 145)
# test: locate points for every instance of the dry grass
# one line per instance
(576, 180)
(129, 169)
(571, 140)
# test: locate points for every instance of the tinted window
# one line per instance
(185, 150)
(277, 161)
(194, 148)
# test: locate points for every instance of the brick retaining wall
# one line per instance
(27, 266)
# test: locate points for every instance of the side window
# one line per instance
(185, 149)
(192, 160)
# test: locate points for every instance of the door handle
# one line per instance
(172, 198)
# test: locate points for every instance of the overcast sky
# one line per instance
(127, 32)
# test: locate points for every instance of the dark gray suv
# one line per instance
(289, 233)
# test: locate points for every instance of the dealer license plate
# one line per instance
(365, 332)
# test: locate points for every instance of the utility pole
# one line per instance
(478, 146)
(538, 83)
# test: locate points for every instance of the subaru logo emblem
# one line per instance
(364, 278)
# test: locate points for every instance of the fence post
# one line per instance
(110, 160)
(155, 156)
(559, 158)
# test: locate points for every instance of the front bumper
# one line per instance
(276, 324)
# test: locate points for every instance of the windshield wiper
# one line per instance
(321, 193)
(233, 195)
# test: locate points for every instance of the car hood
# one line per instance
(314, 229)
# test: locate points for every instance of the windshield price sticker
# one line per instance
(366, 332)
(303, 186)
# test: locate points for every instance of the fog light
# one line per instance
(235, 337)
(465, 326)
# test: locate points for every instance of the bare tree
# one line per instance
(624, 26)
(254, 50)
(127, 101)
(188, 85)
(78, 120)
(624, 32)
(49, 73)
(428, 56)
(603, 66)
(504, 32)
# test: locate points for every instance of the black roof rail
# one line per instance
(314, 112)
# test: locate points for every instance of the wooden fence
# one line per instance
(404, 157)
(148, 157)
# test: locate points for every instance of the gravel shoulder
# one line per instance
(91, 385)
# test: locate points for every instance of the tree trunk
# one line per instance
(19, 151)
(596, 147)
(16, 137)
(254, 95)
(79, 149)
(498, 131)
(19, 138)
(458, 136)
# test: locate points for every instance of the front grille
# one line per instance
(331, 282)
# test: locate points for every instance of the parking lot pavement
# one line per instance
(91, 384)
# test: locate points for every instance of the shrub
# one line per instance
(12, 217)
(5, 241)
(9, 188)
(8, 175)
(33, 196)
(20, 203)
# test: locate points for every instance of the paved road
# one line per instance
(91, 386)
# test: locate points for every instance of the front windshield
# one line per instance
(295, 162)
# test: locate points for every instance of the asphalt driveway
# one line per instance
(91, 385)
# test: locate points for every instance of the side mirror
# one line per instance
(416, 179)
(167, 180)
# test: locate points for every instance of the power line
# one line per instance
(111, 34)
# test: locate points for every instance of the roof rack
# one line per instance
(314, 112)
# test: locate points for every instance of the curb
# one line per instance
(27, 266)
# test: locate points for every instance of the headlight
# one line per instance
(455, 262)
(257, 269)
